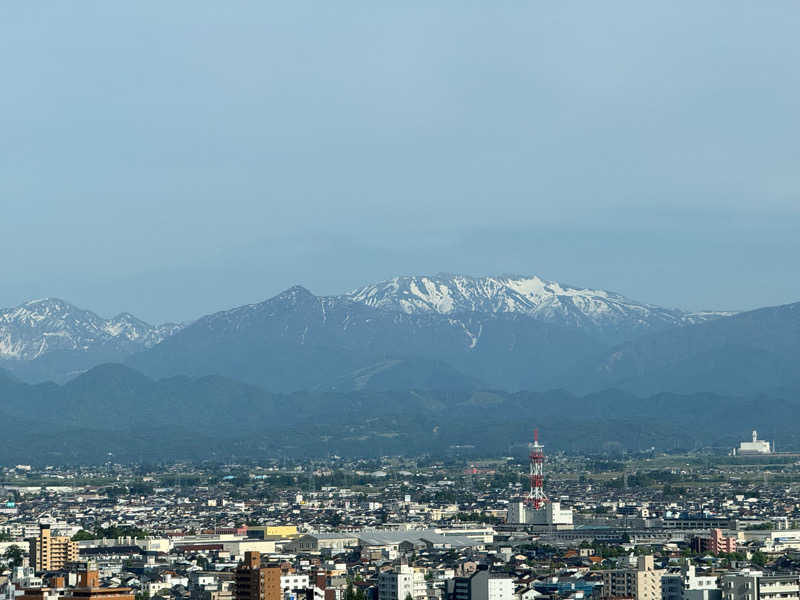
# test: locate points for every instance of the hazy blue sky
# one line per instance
(176, 158)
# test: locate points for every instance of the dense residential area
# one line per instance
(560, 527)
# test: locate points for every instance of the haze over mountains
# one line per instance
(449, 332)
(391, 359)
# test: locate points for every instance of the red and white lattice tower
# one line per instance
(536, 498)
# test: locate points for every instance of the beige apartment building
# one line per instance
(50, 553)
(641, 583)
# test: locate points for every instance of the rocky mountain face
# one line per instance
(56, 339)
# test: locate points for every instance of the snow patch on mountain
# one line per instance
(589, 309)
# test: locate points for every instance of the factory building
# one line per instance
(754, 447)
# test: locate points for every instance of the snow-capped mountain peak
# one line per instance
(40, 326)
(594, 310)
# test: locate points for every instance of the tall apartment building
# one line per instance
(481, 585)
(713, 543)
(402, 582)
(754, 585)
(254, 582)
(688, 585)
(49, 552)
(641, 583)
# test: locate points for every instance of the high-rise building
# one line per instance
(52, 552)
(641, 583)
(481, 585)
(254, 582)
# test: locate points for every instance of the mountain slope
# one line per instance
(609, 315)
(52, 339)
(405, 374)
(300, 341)
(446, 331)
(749, 352)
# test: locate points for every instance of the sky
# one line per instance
(172, 159)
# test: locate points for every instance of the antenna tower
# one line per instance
(536, 498)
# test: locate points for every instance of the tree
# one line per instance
(13, 556)
(83, 535)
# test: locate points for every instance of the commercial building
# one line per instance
(698, 522)
(266, 532)
(49, 552)
(315, 542)
(398, 540)
(754, 585)
(551, 514)
(254, 582)
(641, 583)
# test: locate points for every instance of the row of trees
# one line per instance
(110, 532)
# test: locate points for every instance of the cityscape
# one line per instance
(555, 527)
(400, 300)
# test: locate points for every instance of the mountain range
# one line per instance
(114, 410)
(608, 315)
(443, 332)
(52, 339)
